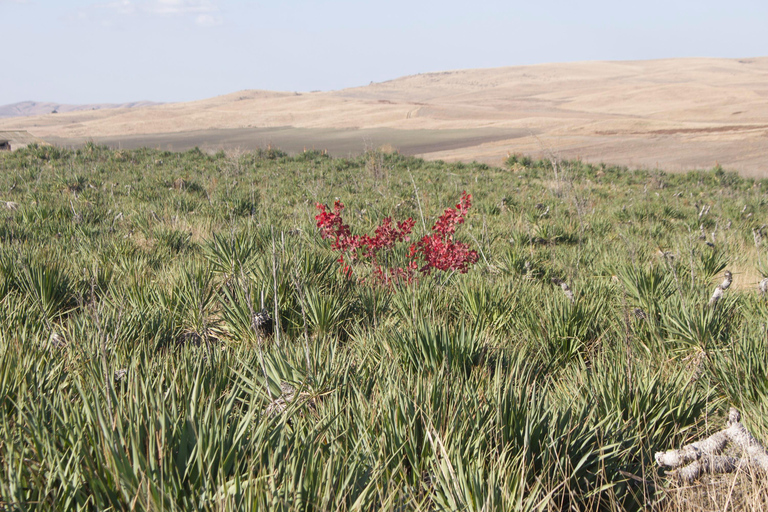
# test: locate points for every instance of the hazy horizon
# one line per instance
(80, 51)
(224, 93)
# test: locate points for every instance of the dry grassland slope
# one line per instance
(676, 113)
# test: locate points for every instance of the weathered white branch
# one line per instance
(715, 464)
(693, 452)
(727, 280)
(763, 286)
(287, 396)
(704, 456)
(566, 289)
(721, 288)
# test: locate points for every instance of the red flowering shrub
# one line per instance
(437, 251)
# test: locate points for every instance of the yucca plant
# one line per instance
(240, 301)
(174, 240)
(195, 297)
(698, 329)
(433, 347)
(528, 423)
(467, 482)
(8, 278)
(403, 435)
(372, 304)
(554, 233)
(327, 312)
(519, 262)
(273, 272)
(646, 287)
(48, 288)
(231, 255)
(646, 291)
(148, 316)
(711, 262)
(414, 301)
(519, 411)
(741, 370)
(316, 269)
(565, 331)
(489, 306)
(646, 406)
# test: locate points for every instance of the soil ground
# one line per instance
(337, 141)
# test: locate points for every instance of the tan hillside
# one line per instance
(675, 113)
(39, 108)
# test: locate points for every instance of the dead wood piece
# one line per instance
(263, 323)
(693, 452)
(727, 280)
(278, 405)
(715, 464)
(57, 340)
(189, 338)
(721, 288)
(757, 236)
(695, 459)
(566, 289)
(287, 396)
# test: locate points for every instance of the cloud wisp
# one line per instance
(175, 7)
(204, 13)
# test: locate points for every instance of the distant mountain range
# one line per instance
(39, 108)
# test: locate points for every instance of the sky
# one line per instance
(114, 51)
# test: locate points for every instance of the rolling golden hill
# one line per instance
(676, 114)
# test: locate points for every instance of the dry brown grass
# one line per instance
(730, 492)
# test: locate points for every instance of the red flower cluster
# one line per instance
(438, 250)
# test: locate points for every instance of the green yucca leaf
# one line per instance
(48, 287)
(231, 255)
(430, 347)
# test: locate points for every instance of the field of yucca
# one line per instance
(134, 374)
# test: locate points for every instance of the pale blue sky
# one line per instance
(81, 51)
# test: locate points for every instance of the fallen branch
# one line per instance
(721, 288)
(763, 286)
(701, 457)
(287, 395)
(566, 289)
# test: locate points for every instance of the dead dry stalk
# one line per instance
(274, 282)
(257, 329)
(721, 288)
